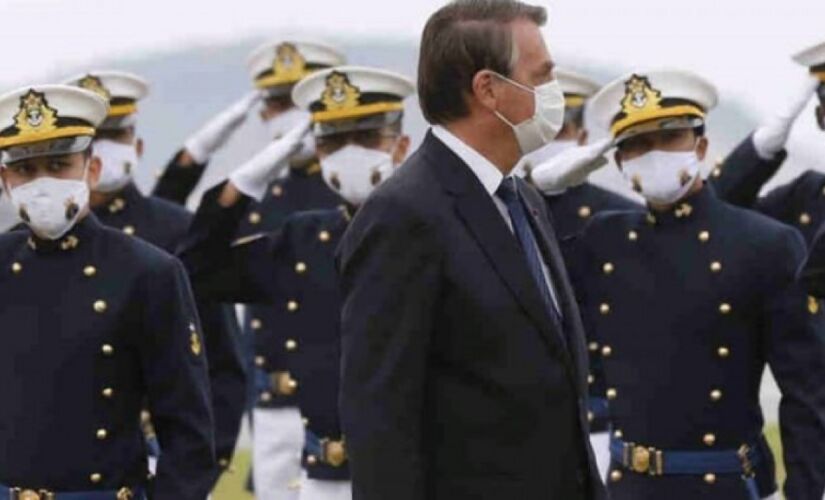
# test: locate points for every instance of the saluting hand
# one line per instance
(770, 138)
(253, 177)
(202, 144)
(570, 168)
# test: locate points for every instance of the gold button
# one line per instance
(254, 218)
(255, 324)
(312, 459)
(607, 351)
(260, 361)
(710, 478)
(611, 393)
(323, 236)
(651, 219)
(616, 475)
(608, 268)
(618, 434)
(300, 267)
(293, 384)
(716, 172)
(266, 396)
(584, 211)
(632, 236)
(704, 236)
(16, 268)
(291, 306)
(604, 308)
(223, 463)
(277, 191)
(593, 346)
(709, 439)
(96, 477)
(100, 306)
(89, 271)
(107, 349)
(723, 352)
(724, 308)
(130, 230)
(305, 421)
(715, 395)
(108, 392)
(291, 345)
(590, 417)
(804, 219)
(591, 379)
(715, 266)
(101, 434)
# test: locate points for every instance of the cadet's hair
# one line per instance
(461, 39)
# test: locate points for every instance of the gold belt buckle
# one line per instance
(335, 452)
(20, 494)
(645, 460)
(124, 494)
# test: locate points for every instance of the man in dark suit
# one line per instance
(464, 364)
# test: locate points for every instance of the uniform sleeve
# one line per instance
(390, 283)
(225, 270)
(174, 367)
(743, 174)
(796, 354)
(177, 181)
(227, 375)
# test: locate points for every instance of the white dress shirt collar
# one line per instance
(487, 173)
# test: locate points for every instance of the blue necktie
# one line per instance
(508, 193)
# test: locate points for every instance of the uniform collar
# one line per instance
(487, 173)
(686, 210)
(78, 235)
(121, 200)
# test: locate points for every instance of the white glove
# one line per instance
(203, 143)
(253, 177)
(770, 138)
(570, 168)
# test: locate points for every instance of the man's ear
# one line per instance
(95, 166)
(484, 89)
(702, 148)
(582, 136)
(139, 147)
(401, 150)
(617, 157)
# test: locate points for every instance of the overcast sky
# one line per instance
(741, 45)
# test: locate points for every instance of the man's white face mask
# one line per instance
(527, 162)
(663, 177)
(118, 162)
(51, 206)
(548, 116)
(279, 125)
(354, 171)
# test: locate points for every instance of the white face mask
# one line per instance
(354, 171)
(530, 161)
(279, 125)
(50, 206)
(662, 177)
(547, 119)
(118, 162)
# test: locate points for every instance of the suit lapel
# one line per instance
(548, 245)
(475, 207)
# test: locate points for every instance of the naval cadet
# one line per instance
(740, 178)
(96, 325)
(118, 203)
(274, 68)
(686, 314)
(357, 126)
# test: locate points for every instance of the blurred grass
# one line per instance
(232, 485)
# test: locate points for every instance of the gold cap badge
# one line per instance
(289, 64)
(35, 115)
(93, 83)
(340, 93)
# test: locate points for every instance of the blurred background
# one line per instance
(194, 55)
